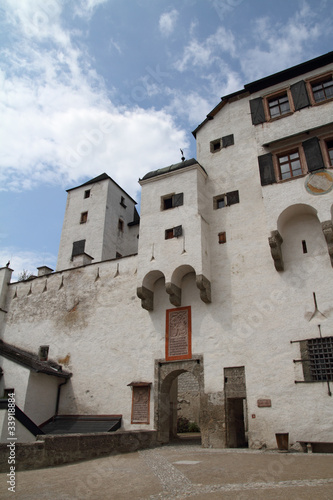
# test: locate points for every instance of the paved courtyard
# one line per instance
(179, 472)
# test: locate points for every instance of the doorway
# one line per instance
(235, 407)
(236, 425)
(166, 402)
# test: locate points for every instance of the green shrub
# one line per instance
(184, 425)
(193, 427)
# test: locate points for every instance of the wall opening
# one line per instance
(167, 395)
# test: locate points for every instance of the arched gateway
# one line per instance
(165, 401)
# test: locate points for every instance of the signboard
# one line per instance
(178, 334)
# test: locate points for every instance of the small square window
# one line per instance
(225, 200)
(120, 225)
(215, 145)
(174, 232)
(167, 203)
(84, 217)
(219, 202)
(172, 200)
(222, 237)
(87, 193)
(43, 352)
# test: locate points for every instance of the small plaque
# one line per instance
(264, 403)
(178, 334)
(140, 405)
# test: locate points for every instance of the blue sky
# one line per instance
(117, 86)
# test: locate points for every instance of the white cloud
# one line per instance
(167, 22)
(206, 53)
(86, 8)
(58, 125)
(278, 46)
(25, 261)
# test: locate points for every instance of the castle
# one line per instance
(226, 275)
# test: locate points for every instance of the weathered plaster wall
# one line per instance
(21, 433)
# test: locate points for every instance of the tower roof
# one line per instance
(99, 178)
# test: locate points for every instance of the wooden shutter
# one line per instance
(78, 247)
(266, 168)
(300, 95)
(227, 140)
(177, 231)
(257, 111)
(178, 200)
(232, 198)
(313, 154)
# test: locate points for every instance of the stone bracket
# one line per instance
(327, 228)
(175, 294)
(147, 298)
(275, 242)
(205, 289)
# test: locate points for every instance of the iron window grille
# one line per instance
(320, 356)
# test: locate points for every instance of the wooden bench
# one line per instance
(316, 447)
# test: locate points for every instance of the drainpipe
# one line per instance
(58, 396)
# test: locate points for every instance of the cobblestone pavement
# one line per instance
(182, 471)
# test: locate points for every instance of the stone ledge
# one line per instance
(52, 450)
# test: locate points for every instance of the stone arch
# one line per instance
(293, 211)
(146, 291)
(165, 375)
(173, 287)
(299, 221)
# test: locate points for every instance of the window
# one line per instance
(215, 145)
(87, 193)
(84, 217)
(225, 200)
(43, 352)
(173, 232)
(78, 247)
(289, 165)
(278, 106)
(322, 90)
(305, 157)
(317, 359)
(122, 202)
(224, 142)
(172, 201)
(222, 237)
(120, 225)
(220, 202)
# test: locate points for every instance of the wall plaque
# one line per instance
(178, 334)
(264, 403)
(140, 403)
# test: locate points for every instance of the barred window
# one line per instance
(320, 353)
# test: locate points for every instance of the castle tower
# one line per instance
(100, 223)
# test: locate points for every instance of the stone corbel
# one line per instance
(275, 242)
(175, 294)
(147, 298)
(327, 228)
(205, 289)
